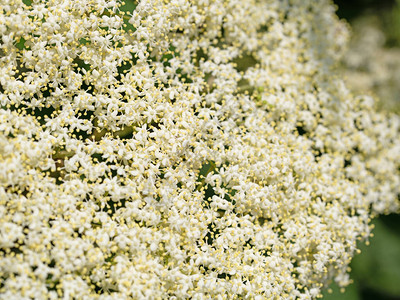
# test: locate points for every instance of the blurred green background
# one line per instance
(373, 65)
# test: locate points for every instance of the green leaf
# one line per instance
(27, 2)
(378, 266)
(21, 44)
(128, 7)
(350, 293)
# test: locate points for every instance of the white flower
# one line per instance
(191, 149)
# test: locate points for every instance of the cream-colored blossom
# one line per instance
(183, 149)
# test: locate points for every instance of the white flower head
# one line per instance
(183, 149)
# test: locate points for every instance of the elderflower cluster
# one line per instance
(372, 66)
(185, 149)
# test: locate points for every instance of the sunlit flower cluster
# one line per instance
(202, 149)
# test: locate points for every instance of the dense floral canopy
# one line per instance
(183, 149)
